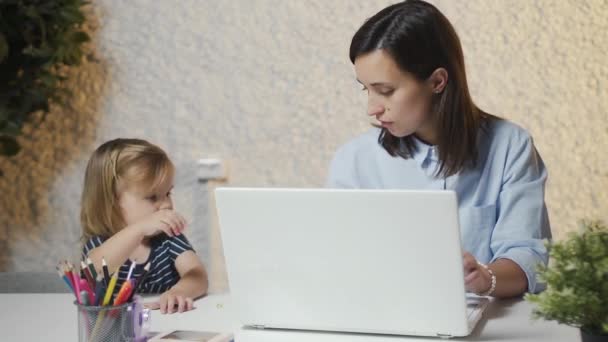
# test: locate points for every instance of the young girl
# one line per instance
(127, 216)
(432, 136)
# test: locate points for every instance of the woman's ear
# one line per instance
(438, 80)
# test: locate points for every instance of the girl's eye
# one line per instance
(152, 198)
(387, 92)
(169, 194)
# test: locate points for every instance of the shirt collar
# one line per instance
(424, 152)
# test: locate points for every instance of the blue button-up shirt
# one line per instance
(501, 200)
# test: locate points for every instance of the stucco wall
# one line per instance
(267, 86)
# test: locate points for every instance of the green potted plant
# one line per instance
(38, 40)
(577, 282)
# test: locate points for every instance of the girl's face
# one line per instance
(400, 102)
(139, 202)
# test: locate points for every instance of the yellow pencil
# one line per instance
(110, 290)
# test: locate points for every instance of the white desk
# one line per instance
(52, 317)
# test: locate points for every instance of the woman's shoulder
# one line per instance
(360, 150)
(509, 145)
(503, 132)
(366, 142)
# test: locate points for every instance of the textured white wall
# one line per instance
(268, 86)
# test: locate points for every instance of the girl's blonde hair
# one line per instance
(115, 166)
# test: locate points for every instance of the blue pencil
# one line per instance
(100, 289)
(65, 278)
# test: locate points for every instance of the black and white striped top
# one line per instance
(163, 252)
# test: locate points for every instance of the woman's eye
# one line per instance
(388, 92)
(152, 198)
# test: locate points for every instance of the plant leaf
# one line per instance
(79, 37)
(10, 129)
(36, 38)
(9, 146)
(4, 49)
(577, 277)
(48, 80)
(41, 52)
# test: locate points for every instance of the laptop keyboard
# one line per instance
(475, 308)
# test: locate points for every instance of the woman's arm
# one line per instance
(522, 222)
(511, 280)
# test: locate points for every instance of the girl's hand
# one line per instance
(476, 278)
(165, 220)
(171, 302)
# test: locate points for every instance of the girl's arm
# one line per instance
(117, 249)
(193, 283)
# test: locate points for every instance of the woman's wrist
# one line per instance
(491, 288)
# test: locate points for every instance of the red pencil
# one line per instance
(88, 275)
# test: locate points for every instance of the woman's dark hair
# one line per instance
(421, 39)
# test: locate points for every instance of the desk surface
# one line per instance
(52, 317)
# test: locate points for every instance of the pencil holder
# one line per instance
(125, 323)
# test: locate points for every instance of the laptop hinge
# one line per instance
(257, 326)
(444, 336)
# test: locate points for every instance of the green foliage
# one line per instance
(577, 281)
(37, 38)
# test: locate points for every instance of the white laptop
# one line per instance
(361, 261)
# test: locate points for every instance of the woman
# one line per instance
(430, 135)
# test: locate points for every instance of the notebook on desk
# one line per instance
(362, 261)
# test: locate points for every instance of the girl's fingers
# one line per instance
(152, 306)
(175, 225)
(181, 222)
(189, 303)
(163, 304)
(171, 304)
(181, 304)
(166, 227)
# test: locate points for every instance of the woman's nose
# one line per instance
(374, 109)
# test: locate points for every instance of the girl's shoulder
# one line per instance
(171, 244)
(92, 243)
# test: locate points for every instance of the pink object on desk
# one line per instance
(76, 281)
(84, 285)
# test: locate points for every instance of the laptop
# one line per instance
(357, 261)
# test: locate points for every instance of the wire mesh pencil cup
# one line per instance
(125, 323)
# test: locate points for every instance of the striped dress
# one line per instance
(163, 252)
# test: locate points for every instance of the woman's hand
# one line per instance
(476, 278)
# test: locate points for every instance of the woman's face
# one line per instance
(400, 102)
